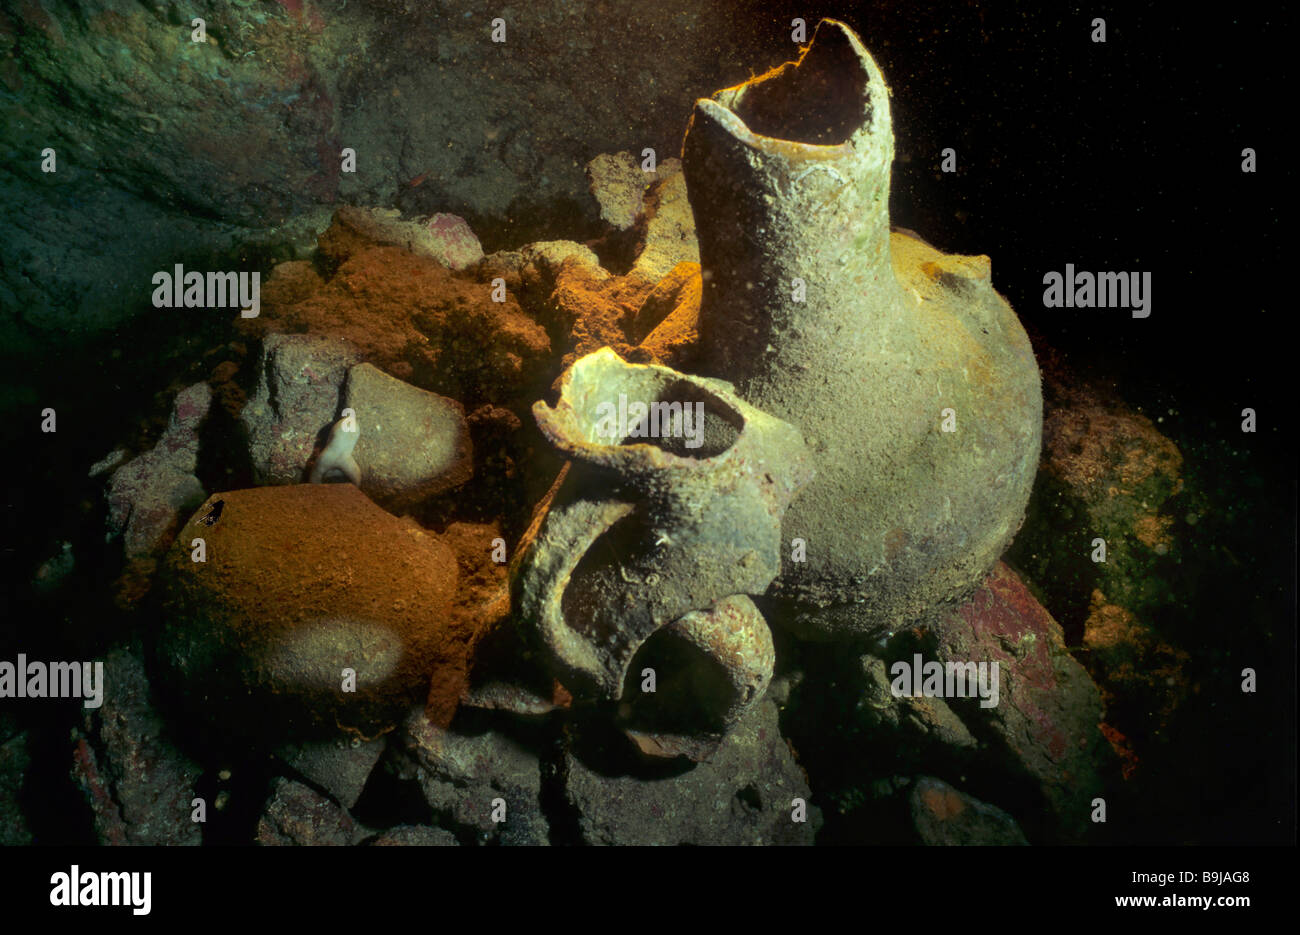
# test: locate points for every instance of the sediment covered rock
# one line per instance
(415, 836)
(15, 759)
(138, 784)
(948, 817)
(298, 816)
(150, 495)
(416, 320)
(339, 765)
(471, 781)
(442, 237)
(744, 794)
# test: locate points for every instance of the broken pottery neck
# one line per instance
(788, 177)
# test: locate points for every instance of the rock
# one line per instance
(543, 260)
(416, 836)
(530, 271)
(150, 495)
(421, 323)
(670, 319)
(9, 725)
(354, 229)
(297, 815)
(1107, 472)
(339, 766)
(1142, 676)
(15, 759)
(108, 56)
(414, 444)
(55, 571)
(618, 184)
(290, 282)
(1048, 708)
(95, 787)
(743, 795)
(301, 584)
(442, 237)
(1113, 461)
(451, 242)
(944, 816)
(861, 744)
(594, 309)
(108, 462)
(669, 293)
(296, 398)
(925, 720)
(507, 265)
(533, 267)
(139, 786)
(465, 778)
(668, 236)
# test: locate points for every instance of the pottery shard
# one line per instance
(413, 443)
(1048, 709)
(138, 784)
(743, 795)
(466, 778)
(301, 587)
(296, 398)
(150, 495)
(946, 816)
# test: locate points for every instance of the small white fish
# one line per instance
(337, 454)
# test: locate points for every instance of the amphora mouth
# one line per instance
(831, 95)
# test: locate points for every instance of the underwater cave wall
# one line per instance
(231, 147)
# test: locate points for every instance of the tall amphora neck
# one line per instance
(788, 178)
